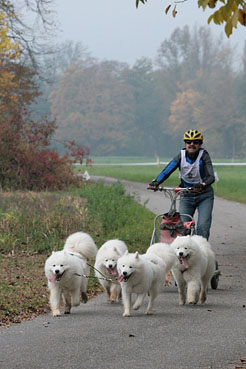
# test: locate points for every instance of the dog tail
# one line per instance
(165, 252)
(83, 244)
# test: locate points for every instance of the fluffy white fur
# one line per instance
(142, 275)
(65, 269)
(165, 252)
(195, 268)
(106, 266)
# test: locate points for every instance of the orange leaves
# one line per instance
(184, 110)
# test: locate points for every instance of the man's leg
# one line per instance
(187, 206)
(205, 208)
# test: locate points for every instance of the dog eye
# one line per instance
(54, 265)
(130, 267)
(185, 248)
(61, 265)
(112, 259)
(123, 266)
(106, 260)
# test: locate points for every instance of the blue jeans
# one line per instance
(203, 202)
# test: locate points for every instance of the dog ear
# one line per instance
(136, 255)
(126, 252)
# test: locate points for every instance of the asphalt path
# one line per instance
(96, 336)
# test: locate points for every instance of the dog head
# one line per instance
(128, 264)
(110, 261)
(182, 247)
(56, 266)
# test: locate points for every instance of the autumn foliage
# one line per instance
(27, 162)
(26, 159)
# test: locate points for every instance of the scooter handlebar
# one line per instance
(173, 189)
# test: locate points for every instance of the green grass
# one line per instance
(146, 159)
(231, 184)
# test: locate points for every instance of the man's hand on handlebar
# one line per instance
(153, 185)
(198, 187)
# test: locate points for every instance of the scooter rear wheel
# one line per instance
(215, 279)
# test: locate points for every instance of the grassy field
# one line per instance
(231, 184)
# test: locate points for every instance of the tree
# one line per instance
(31, 24)
(51, 69)
(93, 103)
(149, 109)
(26, 161)
(231, 13)
(202, 82)
(240, 94)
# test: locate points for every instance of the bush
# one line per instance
(26, 161)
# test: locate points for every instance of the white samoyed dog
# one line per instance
(167, 254)
(142, 275)
(65, 271)
(195, 268)
(106, 267)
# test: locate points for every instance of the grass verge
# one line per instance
(231, 184)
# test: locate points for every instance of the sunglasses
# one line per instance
(194, 142)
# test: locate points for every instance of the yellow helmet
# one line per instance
(193, 134)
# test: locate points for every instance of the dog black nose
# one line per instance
(57, 271)
(181, 253)
(110, 266)
(124, 273)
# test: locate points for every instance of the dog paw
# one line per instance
(84, 297)
(67, 312)
(203, 298)
(149, 312)
(136, 307)
(126, 314)
(56, 313)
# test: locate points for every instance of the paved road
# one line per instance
(95, 335)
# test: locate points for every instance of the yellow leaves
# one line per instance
(242, 17)
(174, 12)
(8, 48)
(212, 3)
(167, 9)
(232, 13)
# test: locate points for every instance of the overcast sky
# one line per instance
(116, 30)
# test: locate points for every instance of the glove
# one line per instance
(198, 187)
(154, 185)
